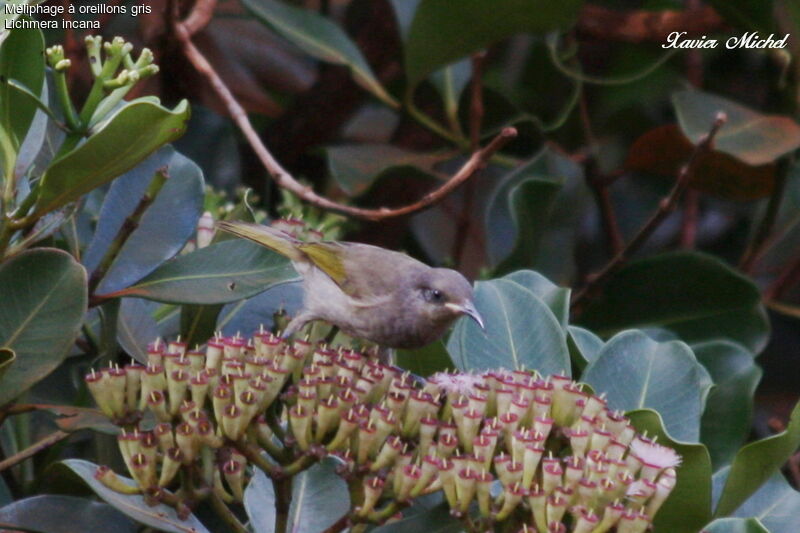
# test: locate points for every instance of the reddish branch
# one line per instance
(283, 179)
(646, 26)
(665, 207)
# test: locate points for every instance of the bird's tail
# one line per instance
(274, 239)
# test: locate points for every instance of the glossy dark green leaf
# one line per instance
(425, 361)
(43, 302)
(164, 228)
(748, 14)
(136, 327)
(556, 298)
(319, 498)
(442, 31)
(65, 514)
(736, 525)
(198, 322)
(521, 332)
(404, 13)
(355, 167)
(688, 507)
(248, 316)
(694, 295)
(259, 502)
(160, 517)
(748, 135)
(775, 505)
(729, 408)
(125, 139)
(451, 81)
(320, 38)
(21, 60)
(429, 516)
(756, 463)
(529, 203)
(220, 273)
(636, 372)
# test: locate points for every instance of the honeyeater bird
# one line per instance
(369, 292)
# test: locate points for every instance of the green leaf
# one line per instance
(320, 38)
(21, 60)
(688, 508)
(443, 31)
(259, 503)
(249, 315)
(748, 14)
(425, 361)
(220, 273)
(44, 299)
(556, 298)
(697, 296)
(164, 228)
(129, 136)
(748, 135)
(404, 13)
(736, 525)
(521, 332)
(729, 407)
(136, 327)
(319, 498)
(7, 357)
(355, 167)
(431, 517)
(161, 517)
(198, 322)
(65, 514)
(775, 505)
(584, 344)
(635, 372)
(529, 204)
(756, 462)
(450, 82)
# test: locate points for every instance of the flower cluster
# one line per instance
(539, 452)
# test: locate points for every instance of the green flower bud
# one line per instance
(234, 476)
(173, 458)
(373, 488)
(107, 477)
(466, 485)
(512, 496)
(556, 507)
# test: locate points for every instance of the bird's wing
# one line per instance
(274, 239)
(327, 256)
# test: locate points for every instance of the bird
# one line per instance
(368, 292)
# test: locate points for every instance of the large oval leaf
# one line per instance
(756, 463)
(729, 408)
(556, 298)
(164, 227)
(247, 316)
(319, 498)
(259, 502)
(65, 514)
(748, 135)
(694, 295)
(129, 136)
(521, 332)
(43, 302)
(443, 31)
(320, 38)
(775, 505)
(636, 372)
(136, 327)
(737, 525)
(220, 273)
(160, 517)
(688, 508)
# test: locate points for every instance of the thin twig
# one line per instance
(201, 14)
(785, 281)
(226, 514)
(283, 179)
(33, 449)
(665, 207)
(599, 184)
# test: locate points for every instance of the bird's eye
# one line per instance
(434, 295)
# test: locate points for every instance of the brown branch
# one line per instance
(761, 238)
(200, 16)
(646, 26)
(665, 207)
(33, 449)
(785, 281)
(283, 179)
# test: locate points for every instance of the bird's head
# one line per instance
(445, 295)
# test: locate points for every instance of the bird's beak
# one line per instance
(468, 308)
